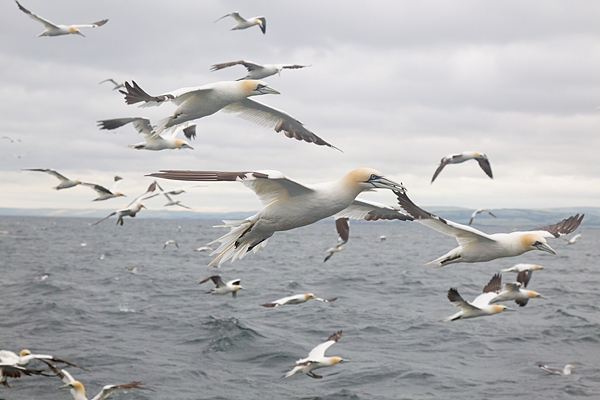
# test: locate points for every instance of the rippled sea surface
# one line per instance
(160, 327)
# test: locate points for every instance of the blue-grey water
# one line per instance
(160, 327)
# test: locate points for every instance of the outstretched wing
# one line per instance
(92, 25)
(372, 211)
(47, 24)
(456, 299)
(319, 351)
(439, 169)
(108, 389)
(250, 66)
(494, 284)
(142, 125)
(484, 163)
(563, 227)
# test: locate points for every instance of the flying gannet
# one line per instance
(478, 211)
(171, 241)
(481, 158)
(65, 182)
(476, 246)
(14, 366)
(257, 71)
(229, 96)
(133, 208)
(289, 204)
(524, 271)
(297, 299)
(116, 85)
(104, 193)
(170, 201)
(573, 239)
(243, 23)
(480, 307)
(153, 142)
(222, 287)
(78, 390)
(316, 358)
(56, 29)
(557, 371)
(512, 291)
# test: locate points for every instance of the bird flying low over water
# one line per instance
(56, 29)
(478, 211)
(558, 371)
(481, 158)
(573, 239)
(524, 272)
(133, 208)
(316, 358)
(14, 366)
(476, 246)
(78, 390)
(287, 204)
(229, 96)
(153, 141)
(222, 287)
(512, 291)
(243, 23)
(116, 85)
(480, 307)
(257, 71)
(104, 193)
(65, 182)
(297, 299)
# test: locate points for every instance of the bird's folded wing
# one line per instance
(371, 211)
(561, 228)
(463, 234)
(280, 120)
(47, 24)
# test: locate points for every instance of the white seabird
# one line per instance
(117, 85)
(478, 211)
(53, 29)
(14, 366)
(78, 390)
(65, 182)
(104, 193)
(203, 248)
(230, 96)
(8, 370)
(132, 208)
(481, 158)
(332, 250)
(297, 299)
(223, 288)
(573, 239)
(476, 246)
(524, 271)
(170, 201)
(557, 371)
(480, 307)
(243, 23)
(257, 71)
(165, 141)
(316, 358)
(171, 241)
(382, 238)
(512, 291)
(289, 204)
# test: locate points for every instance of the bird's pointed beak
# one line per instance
(545, 247)
(384, 183)
(79, 33)
(241, 287)
(64, 386)
(509, 309)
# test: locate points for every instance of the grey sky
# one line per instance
(396, 85)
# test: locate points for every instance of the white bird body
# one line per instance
(65, 182)
(476, 246)
(243, 23)
(557, 371)
(332, 250)
(229, 96)
(133, 208)
(104, 193)
(153, 142)
(573, 239)
(296, 299)
(480, 307)
(287, 204)
(481, 158)
(316, 358)
(258, 71)
(13, 365)
(223, 287)
(53, 29)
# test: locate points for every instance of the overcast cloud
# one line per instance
(396, 85)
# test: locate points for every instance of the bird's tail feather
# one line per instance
(452, 317)
(292, 372)
(228, 248)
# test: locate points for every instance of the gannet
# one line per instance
(117, 85)
(230, 96)
(223, 288)
(170, 201)
(476, 246)
(382, 238)
(153, 142)
(171, 241)
(243, 23)
(104, 193)
(480, 307)
(58, 30)
(204, 248)
(524, 271)
(478, 211)
(316, 358)
(287, 204)
(557, 371)
(573, 239)
(257, 71)
(512, 291)
(342, 225)
(78, 390)
(65, 182)
(462, 157)
(297, 299)
(133, 208)
(332, 250)
(8, 370)
(13, 365)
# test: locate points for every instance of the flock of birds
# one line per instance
(289, 204)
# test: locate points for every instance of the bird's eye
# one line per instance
(260, 86)
(537, 243)
(373, 177)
